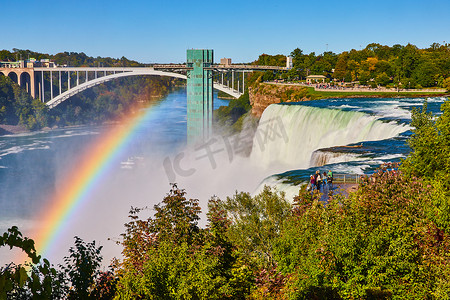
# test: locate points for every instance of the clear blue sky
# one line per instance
(161, 31)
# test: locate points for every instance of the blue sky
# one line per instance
(160, 31)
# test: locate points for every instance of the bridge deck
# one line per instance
(156, 67)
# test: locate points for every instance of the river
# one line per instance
(291, 142)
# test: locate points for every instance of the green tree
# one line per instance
(341, 66)
(170, 257)
(430, 159)
(271, 60)
(232, 116)
(382, 79)
(255, 223)
(446, 84)
(82, 268)
(376, 244)
(426, 74)
(42, 281)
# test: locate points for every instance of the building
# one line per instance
(46, 63)
(199, 95)
(289, 63)
(10, 64)
(30, 63)
(225, 61)
(315, 78)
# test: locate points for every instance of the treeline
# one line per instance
(388, 240)
(18, 108)
(232, 116)
(72, 59)
(93, 106)
(402, 66)
(271, 60)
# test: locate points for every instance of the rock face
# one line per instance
(264, 94)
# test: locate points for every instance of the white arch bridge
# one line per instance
(87, 77)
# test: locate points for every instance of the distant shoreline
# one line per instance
(12, 129)
(369, 93)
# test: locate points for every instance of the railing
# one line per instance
(346, 178)
(246, 67)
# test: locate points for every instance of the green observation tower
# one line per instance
(199, 95)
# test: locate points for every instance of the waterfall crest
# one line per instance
(289, 134)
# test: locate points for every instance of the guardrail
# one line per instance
(346, 178)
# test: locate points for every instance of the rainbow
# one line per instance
(79, 183)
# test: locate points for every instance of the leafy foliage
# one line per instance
(256, 222)
(41, 282)
(430, 159)
(271, 60)
(406, 66)
(81, 268)
(18, 108)
(170, 257)
(377, 243)
(80, 278)
(233, 115)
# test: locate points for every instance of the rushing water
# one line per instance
(306, 136)
(352, 136)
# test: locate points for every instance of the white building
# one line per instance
(289, 63)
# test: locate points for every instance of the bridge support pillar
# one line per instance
(232, 79)
(199, 95)
(51, 85)
(32, 85)
(42, 89)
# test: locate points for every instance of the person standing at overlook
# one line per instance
(330, 178)
(312, 183)
(324, 179)
(318, 180)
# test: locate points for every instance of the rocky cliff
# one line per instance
(263, 94)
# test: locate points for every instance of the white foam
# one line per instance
(350, 169)
(12, 150)
(436, 100)
(391, 156)
(279, 185)
(38, 145)
(344, 106)
(68, 134)
(321, 158)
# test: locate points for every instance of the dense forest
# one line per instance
(96, 105)
(387, 240)
(402, 66)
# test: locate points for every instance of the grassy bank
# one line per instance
(313, 94)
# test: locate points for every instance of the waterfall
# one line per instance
(321, 158)
(288, 134)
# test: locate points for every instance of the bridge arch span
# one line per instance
(83, 86)
(25, 80)
(13, 76)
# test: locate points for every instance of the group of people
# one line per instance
(318, 181)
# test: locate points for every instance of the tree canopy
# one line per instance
(402, 66)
